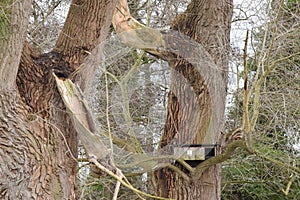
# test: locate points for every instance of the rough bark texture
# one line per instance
(38, 144)
(54, 159)
(207, 22)
(86, 26)
(13, 22)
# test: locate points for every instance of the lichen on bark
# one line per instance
(5, 12)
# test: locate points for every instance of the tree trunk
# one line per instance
(13, 23)
(207, 22)
(38, 144)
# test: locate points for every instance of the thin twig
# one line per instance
(117, 189)
(129, 186)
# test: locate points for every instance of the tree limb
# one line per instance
(81, 117)
(165, 45)
(126, 184)
(13, 26)
(218, 159)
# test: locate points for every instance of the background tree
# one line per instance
(276, 132)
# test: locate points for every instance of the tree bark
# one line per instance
(38, 144)
(86, 26)
(207, 22)
(197, 98)
(13, 22)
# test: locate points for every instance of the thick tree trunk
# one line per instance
(35, 155)
(13, 23)
(207, 22)
(38, 144)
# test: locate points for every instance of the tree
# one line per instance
(274, 172)
(212, 31)
(38, 142)
(38, 136)
(191, 119)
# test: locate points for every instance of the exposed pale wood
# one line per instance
(82, 118)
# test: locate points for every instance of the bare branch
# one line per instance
(126, 184)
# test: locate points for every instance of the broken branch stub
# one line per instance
(82, 118)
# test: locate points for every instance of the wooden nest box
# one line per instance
(194, 154)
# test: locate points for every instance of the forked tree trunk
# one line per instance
(207, 22)
(38, 144)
